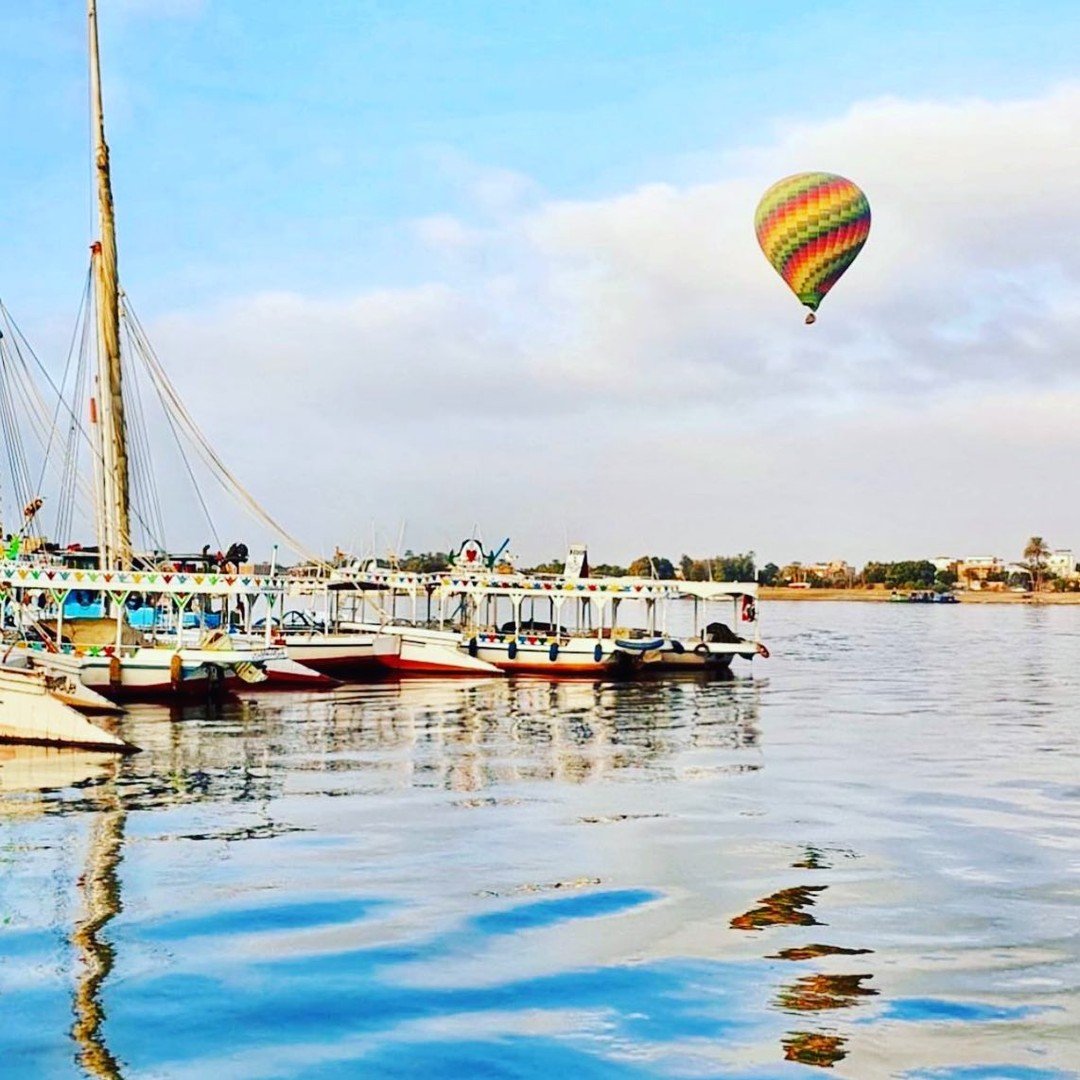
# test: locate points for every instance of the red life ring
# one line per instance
(747, 611)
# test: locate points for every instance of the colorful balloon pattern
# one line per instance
(811, 227)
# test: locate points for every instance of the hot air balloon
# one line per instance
(811, 226)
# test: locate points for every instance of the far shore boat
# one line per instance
(923, 596)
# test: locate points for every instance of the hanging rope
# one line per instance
(80, 391)
(173, 405)
(55, 425)
(15, 450)
(134, 349)
(144, 483)
(39, 415)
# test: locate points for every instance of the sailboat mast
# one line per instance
(116, 552)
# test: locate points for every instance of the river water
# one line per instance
(862, 854)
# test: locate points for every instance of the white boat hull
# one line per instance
(30, 713)
(428, 652)
(536, 655)
(339, 655)
(289, 674)
(147, 672)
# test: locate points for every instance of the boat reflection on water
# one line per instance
(184, 763)
(453, 734)
(812, 952)
(460, 737)
(816, 993)
(469, 735)
(28, 773)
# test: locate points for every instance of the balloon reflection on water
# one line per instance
(815, 992)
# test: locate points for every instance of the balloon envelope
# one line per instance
(811, 227)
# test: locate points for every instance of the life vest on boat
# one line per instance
(176, 671)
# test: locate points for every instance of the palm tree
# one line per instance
(1036, 553)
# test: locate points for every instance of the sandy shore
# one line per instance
(878, 595)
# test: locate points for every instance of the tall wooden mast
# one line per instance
(116, 533)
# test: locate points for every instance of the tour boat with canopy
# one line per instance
(569, 624)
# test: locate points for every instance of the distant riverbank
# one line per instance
(878, 595)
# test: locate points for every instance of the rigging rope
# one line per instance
(172, 403)
(80, 391)
(144, 482)
(54, 427)
(130, 337)
(39, 412)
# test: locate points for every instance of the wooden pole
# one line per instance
(114, 433)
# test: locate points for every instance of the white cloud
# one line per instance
(444, 232)
(589, 354)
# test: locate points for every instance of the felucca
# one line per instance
(90, 634)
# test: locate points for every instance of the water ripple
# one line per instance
(861, 858)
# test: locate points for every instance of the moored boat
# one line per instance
(331, 650)
(125, 622)
(161, 657)
(31, 712)
(712, 644)
(419, 650)
(494, 617)
(553, 624)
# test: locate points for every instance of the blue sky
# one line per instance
(328, 150)
(282, 145)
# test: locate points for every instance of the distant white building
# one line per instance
(975, 571)
(837, 569)
(1062, 563)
